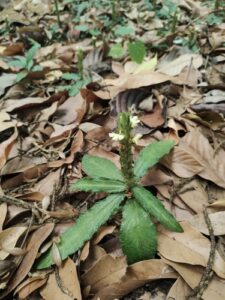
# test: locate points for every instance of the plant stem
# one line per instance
(174, 22)
(80, 57)
(57, 13)
(217, 4)
(126, 157)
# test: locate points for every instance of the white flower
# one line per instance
(136, 138)
(134, 121)
(116, 136)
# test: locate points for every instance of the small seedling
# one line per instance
(26, 62)
(78, 80)
(137, 232)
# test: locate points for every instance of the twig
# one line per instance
(208, 272)
(60, 284)
(14, 201)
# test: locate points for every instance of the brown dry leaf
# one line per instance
(130, 81)
(97, 134)
(88, 126)
(189, 247)
(21, 164)
(187, 97)
(106, 271)
(12, 105)
(38, 237)
(136, 275)
(13, 49)
(58, 132)
(102, 232)
(5, 148)
(68, 281)
(217, 220)
(211, 119)
(218, 204)
(179, 291)
(192, 276)
(175, 66)
(76, 147)
(90, 255)
(15, 214)
(27, 176)
(194, 155)
(191, 191)
(9, 238)
(49, 183)
(154, 119)
(3, 212)
(29, 286)
(155, 176)
(44, 116)
(64, 211)
(71, 111)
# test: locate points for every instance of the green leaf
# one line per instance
(150, 155)
(98, 167)
(70, 76)
(99, 185)
(137, 51)
(19, 62)
(82, 28)
(116, 51)
(29, 65)
(75, 88)
(37, 68)
(32, 51)
(155, 208)
(87, 224)
(137, 233)
(21, 75)
(123, 31)
(95, 32)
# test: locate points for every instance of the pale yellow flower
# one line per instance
(134, 121)
(136, 138)
(116, 136)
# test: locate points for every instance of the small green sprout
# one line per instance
(26, 62)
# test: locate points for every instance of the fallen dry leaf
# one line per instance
(179, 291)
(9, 238)
(194, 155)
(66, 287)
(136, 275)
(38, 237)
(217, 220)
(190, 247)
(192, 276)
(3, 212)
(30, 285)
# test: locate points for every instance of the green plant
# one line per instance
(136, 51)
(78, 79)
(137, 232)
(26, 62)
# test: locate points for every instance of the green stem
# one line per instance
(174, 23)
(57, 13)
(80, 57)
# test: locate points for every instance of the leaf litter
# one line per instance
(165, 62)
